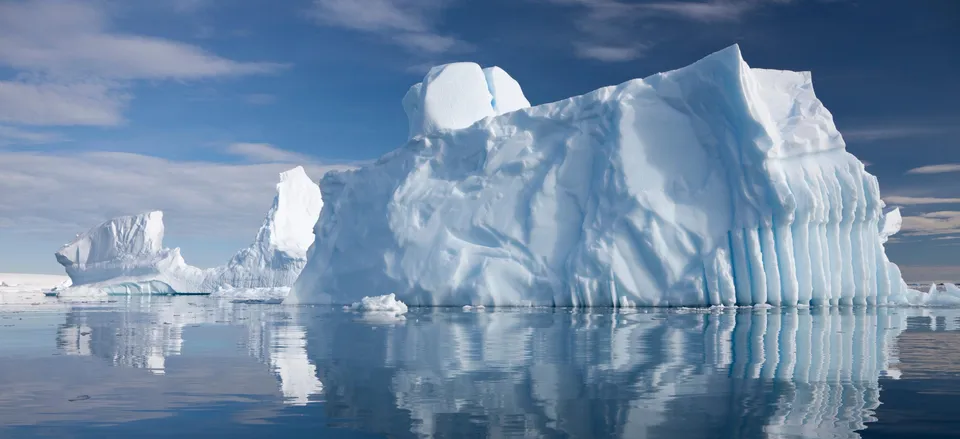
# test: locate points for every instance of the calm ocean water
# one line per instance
(193, 367)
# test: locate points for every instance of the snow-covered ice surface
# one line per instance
(28, 289)
(126, 255)
(386, 303)
(454, 96)
(714, 184)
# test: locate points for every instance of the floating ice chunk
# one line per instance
(386, 303)
(714, 184)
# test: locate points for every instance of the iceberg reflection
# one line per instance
(146, 332)
(772, 373)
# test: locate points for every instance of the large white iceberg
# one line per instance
(126, 255)
(714, 184)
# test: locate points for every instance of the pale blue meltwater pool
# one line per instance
(194, 367)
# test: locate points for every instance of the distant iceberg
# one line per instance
(126, 255)
(714, 184)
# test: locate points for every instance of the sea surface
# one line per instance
(192, 367)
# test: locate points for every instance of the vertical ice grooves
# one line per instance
(741, 274)
(824, 250)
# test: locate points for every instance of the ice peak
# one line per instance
(132, 235)
(295, 210)
(456, 95)
(126, 254)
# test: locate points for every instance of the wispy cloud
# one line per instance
(73, 70)
(702, 11)
(872, 134)
(64, 37)
(65, 194)
(932, 223)
(911, 201)
(411, 24)
(936, 169)
(74, 103)
(612, 30)
(947, 238)
(266, 153)
(12, 135)
(608, 53)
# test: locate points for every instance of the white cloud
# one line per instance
(872, 134)
(936, 169)
(73, 70)
(604, 25)
(411, 24)
(265, 153)
(12, 135)
(910, 201)
(61, 195)
(702, 11)
(608, 53)
(65, 37)
(78, 103)
(932, 223)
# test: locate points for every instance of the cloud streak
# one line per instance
(411, 24)
(613, 30)
(873, 134)
(78, 103)
(912, 201)
(65, 194)
(265, 153)
(17, 136)
(936, 169)
(63, 37)
(72, 70)
(932, 223)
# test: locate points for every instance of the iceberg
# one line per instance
(125, 255)
(714, 184)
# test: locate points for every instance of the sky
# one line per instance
(116, 107)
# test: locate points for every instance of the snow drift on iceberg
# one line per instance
(714, 184)
(126, 256)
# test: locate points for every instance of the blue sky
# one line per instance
(112, 107)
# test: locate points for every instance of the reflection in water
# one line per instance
(515, 373)
(545, 374)
(145, 332)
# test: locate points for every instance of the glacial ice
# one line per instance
(454, 96)
(126, 255)
(386, 303)
(713, 184)
(892, 222)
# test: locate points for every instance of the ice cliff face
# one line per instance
(713, 184)
(126, 256)
(280, 250)
(127, 252)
